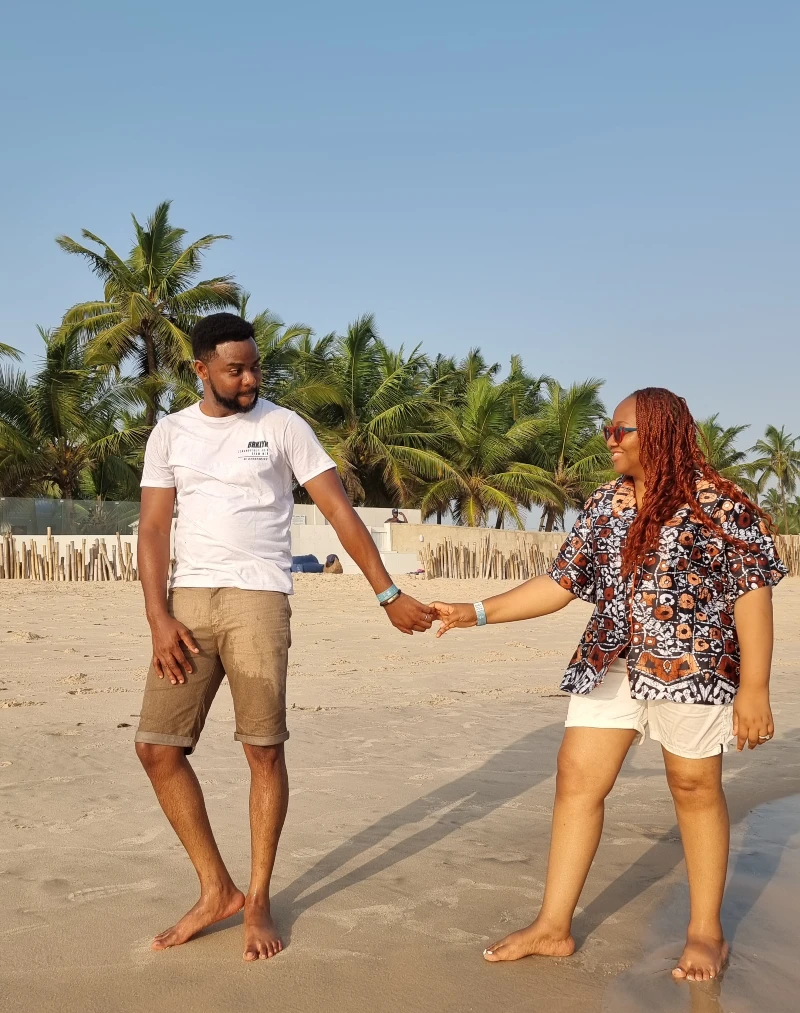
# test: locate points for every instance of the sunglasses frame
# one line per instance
(618, 432)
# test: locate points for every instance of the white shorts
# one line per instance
(692, 730)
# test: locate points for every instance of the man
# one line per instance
(397, 517)
(228, 463)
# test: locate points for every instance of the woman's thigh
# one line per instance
(590, 759)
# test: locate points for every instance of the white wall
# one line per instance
(371, 516)
(321, 541)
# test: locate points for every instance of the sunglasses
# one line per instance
(618, 432)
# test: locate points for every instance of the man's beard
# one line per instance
(232, 403)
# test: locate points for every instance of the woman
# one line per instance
(679, 565)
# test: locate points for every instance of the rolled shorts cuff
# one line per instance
(162, 739)
(262, 740)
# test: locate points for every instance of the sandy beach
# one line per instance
(422, 776)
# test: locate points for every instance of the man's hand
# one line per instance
(408, 615)
(752, 718)
(169, 638)
(454, 617)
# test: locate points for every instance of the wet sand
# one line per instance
(761, 920)
(421, 788)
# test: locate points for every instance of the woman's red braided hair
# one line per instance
(671, 459)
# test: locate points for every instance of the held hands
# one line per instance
(409, 615)
(752, 718)
(169, 639)
(453, 617)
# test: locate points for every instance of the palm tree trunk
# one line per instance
(500, 519)
(152, 408)
(785, 510)
(438, 516)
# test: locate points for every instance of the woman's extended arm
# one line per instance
(537, 597)
(752, 715)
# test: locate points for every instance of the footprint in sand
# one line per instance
(143, 838)
(92, 893)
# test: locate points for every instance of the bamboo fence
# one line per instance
(789, 550)
(92, 562)
(79, 561)
(485, 560)
(528, 559)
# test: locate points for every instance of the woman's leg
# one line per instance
(588, 763)
(702, 812)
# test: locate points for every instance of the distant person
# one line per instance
(680, 566)
(229, 461)
(398, 517)
(332, 564)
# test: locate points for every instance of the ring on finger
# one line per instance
(764, 738)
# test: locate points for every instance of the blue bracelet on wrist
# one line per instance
(480, 612)
(390, 592)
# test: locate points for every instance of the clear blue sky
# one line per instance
(609, 188)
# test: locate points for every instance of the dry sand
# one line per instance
(421, 786)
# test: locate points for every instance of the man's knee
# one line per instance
(153, 756)
(264, 759)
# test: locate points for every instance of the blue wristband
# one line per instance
(390, 592)
(480, 612)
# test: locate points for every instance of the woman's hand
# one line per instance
(752, 718)
(453, 617)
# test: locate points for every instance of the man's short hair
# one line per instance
(215, 330)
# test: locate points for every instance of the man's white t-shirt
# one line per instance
(233, 482)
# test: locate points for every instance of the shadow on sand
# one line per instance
(511, 772)
(520, 766)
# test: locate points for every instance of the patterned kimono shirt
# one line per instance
(674, 614)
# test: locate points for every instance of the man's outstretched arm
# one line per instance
(406, 613)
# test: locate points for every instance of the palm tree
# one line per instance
(7, 352)
(487, 449)
(719, 447)
(772, 504)
(779, 459)
(71, 428)
(150, 301)
(793, 509)
(569, 448)
(369, 407)
(277, 344)
(474, 365)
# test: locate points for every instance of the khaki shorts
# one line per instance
(242, 634)
(692, 730)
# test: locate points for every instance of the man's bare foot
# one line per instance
(703, 958)
(538, 939)
(212, 907)
(261, 939)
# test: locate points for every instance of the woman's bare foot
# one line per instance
(703, 958)
(212, 907)
(261, 939)
(537, 939)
